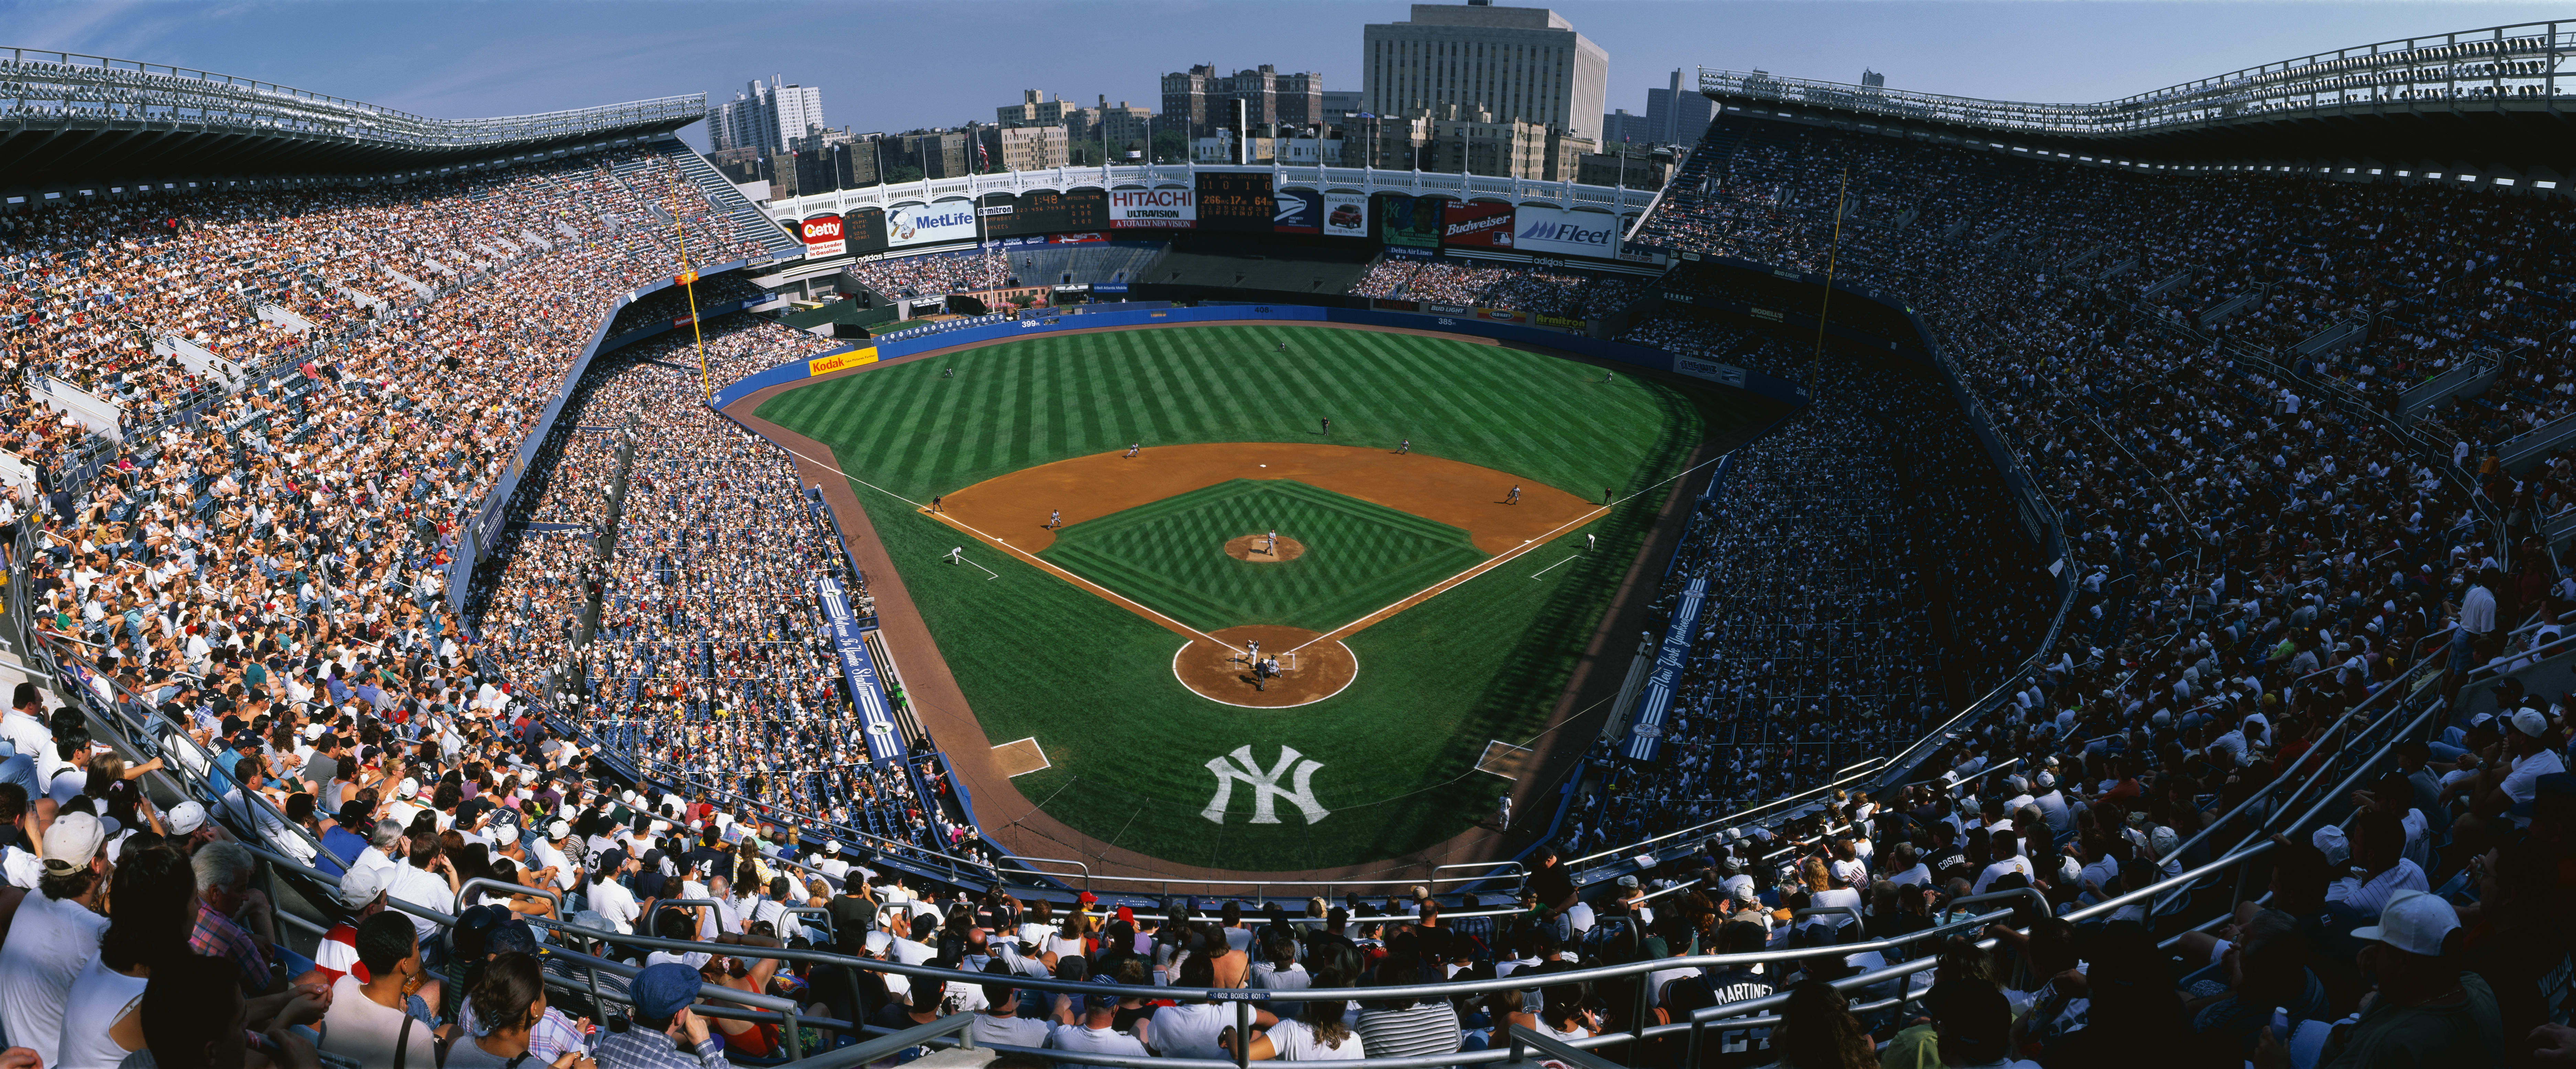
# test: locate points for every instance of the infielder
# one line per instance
(1516, 496)
(1273, 548)
(1404, 448)
(1133, 450)
(1055, 519)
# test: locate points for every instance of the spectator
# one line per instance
(152, 903)
(384, 1019)
(665, 1033)
(54, 935)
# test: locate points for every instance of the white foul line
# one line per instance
(1552, 567)
(987, 571)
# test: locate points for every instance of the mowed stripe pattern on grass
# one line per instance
(1045, 399)
(1170, 554)
(1037, 656)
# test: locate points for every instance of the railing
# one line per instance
(49, 85)
(2440, 72)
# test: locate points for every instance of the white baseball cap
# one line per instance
(2530, 722)
(558, 830)
(362, 885)
(72, 842)
(2414, 922)
(186, 817)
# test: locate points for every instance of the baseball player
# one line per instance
(1328, 425)
(934, 502)
(1516, 495)
(948, 373)
(1273, 548)
(1055, 519)
(1404, 448)
(1607, 375)
(1283, 346)
(957, 555)
(1587, 543)
(1252, 649)
(1133, 450)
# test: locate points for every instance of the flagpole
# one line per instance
(689, 282)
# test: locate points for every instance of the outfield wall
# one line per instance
(1032, 324)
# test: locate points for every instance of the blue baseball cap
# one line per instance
(662, 991)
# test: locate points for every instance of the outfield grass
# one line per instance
(1092, 682)
(1169, 554)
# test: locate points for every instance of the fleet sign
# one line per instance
(1555, 230)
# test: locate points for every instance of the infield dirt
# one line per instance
(1014, 507)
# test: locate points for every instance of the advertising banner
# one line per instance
(1346, 215)
(1153, 208)
(1408, 220)
(1479, 224)
(1724, 374)
(922, 224)
(1301, 211)
(1445, 309)
(885, 744)
(1502, 315)
(823, 365)
(1108, 287)
(823, 237)
(1555, 230)
(1559, 322)
(1236, 202)
(1084, 238)
(1045, 212)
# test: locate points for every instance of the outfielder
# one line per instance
(1328, 425)
(957, 555)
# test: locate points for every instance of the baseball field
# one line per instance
(1420, 608)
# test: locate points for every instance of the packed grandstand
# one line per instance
(2131, 637)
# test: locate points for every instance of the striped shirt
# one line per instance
(2368, 897)
(1427, 1028)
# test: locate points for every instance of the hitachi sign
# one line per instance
(1567, 233)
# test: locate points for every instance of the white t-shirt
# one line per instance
(421, 888)
(1832, 897)
(1189, 1030)
(1088, 1040)
(99, 999)
(1296, 1042)
(615, 904)
(50, 942)
(358, 1029)
(1014, 1030)
(2523, 783)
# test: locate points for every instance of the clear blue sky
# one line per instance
(898, 66)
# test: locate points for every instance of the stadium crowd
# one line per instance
(1535, 288)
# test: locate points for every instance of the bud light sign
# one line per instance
(1555, 230)
(921, 224)
(823, 237)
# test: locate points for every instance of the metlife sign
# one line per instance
(1565, 233)
(922, 224)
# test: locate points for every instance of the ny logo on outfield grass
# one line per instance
(1241, 765)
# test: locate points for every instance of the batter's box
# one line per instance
(1504, 759)
(1020, 758)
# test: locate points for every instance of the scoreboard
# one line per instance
(1046, 212)
(1229, 201)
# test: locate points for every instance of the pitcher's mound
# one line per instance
(1223, 673)
(1257, 549)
